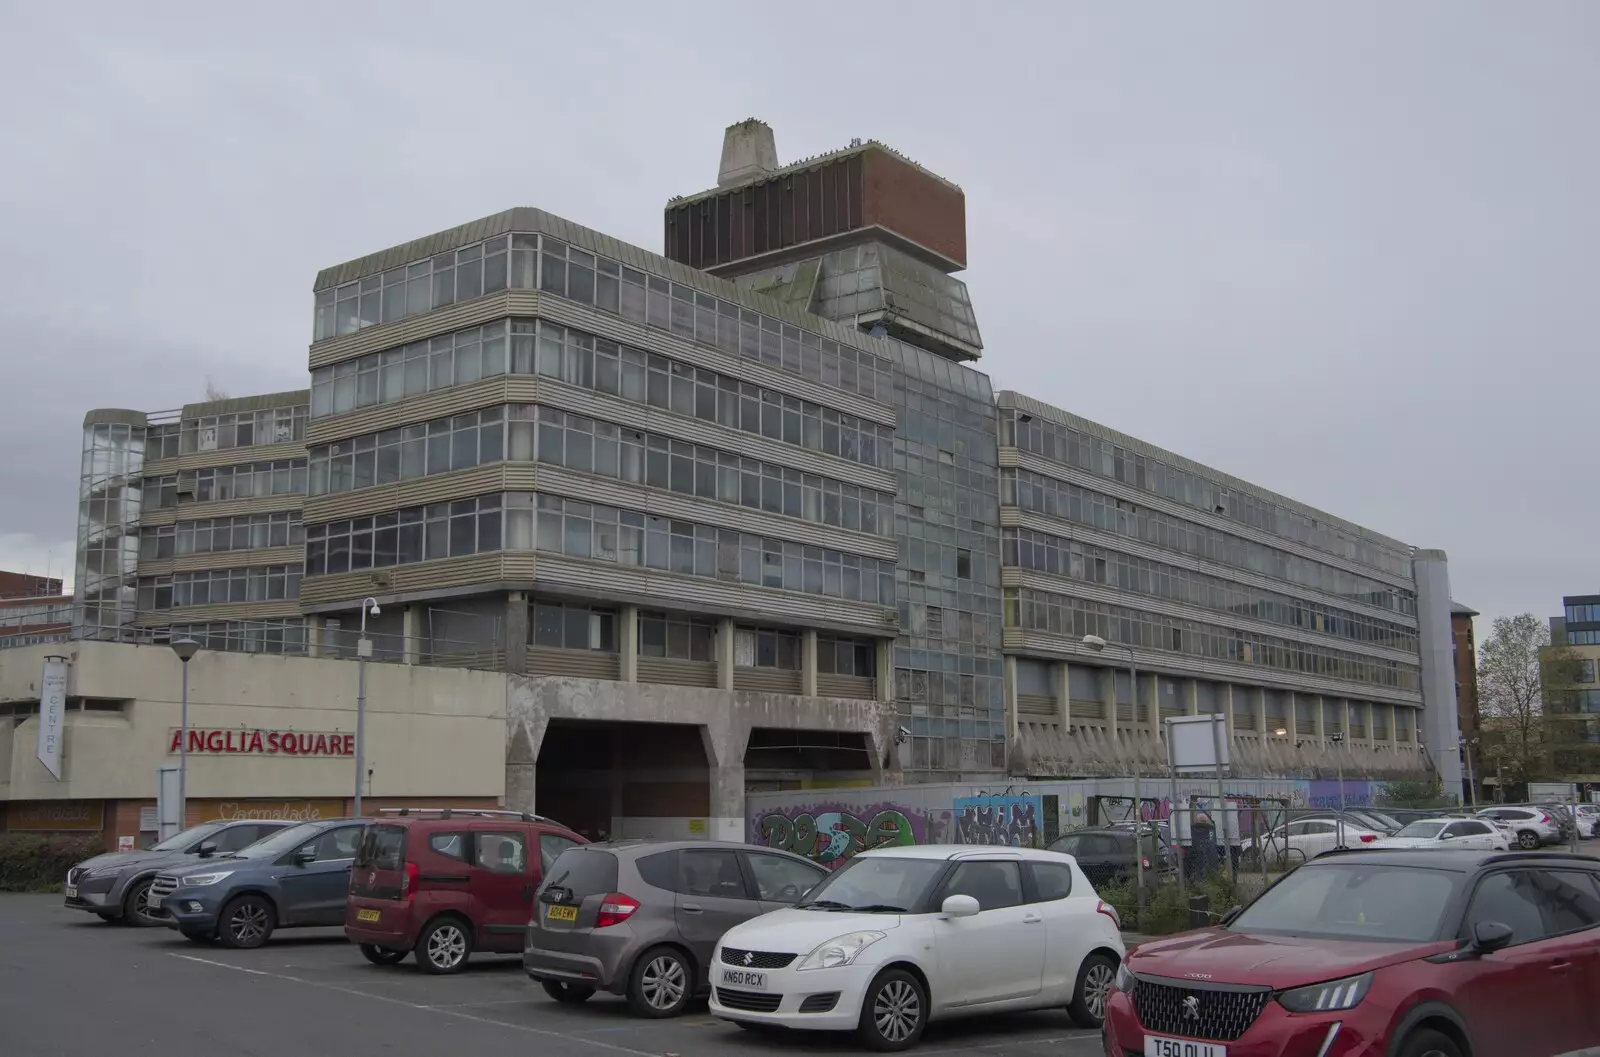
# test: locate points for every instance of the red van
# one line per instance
(447, 882)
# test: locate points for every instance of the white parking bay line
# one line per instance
(444, 1012)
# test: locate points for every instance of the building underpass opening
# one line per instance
(777, 759)
(610, 781)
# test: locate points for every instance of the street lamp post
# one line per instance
(1472, 781)
(1098, 644)
(185, 648)
(363, 651)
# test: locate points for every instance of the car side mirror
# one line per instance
(1447, 836)
(1233, 912)
(1490, 936)
(207, 849)
(305, 855)
(959, 907)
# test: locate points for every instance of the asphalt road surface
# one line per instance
(71, 986)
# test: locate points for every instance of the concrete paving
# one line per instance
(71, 986)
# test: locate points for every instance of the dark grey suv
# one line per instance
(115, 885)
(642, 918)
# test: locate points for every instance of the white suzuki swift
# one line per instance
(900, 936)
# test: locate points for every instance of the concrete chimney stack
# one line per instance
(748, 151)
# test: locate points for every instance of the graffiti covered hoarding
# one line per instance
(1012, 821)
(830, 833)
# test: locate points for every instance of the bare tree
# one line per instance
(214, 393)
(1519, 673)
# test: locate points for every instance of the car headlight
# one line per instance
(841, 950)
(1125, 979)
(201, 879)
(1323, 998)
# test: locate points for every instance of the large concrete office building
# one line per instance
(756, 494)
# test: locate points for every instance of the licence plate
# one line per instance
(1157, 1046)
(561, 913)
(367, 915)
(72, 891)
(745, 979)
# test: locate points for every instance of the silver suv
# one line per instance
(642, 918)
(1531, 826)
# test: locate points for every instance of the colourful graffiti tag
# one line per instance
(1014, 821)
(828, 834)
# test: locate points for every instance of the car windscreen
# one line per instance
(281, 842)
(180, 841)
(584, 872)
(876, 881)
(381, 847)
(1388, 822)
(1353, 901)
(1422, 829)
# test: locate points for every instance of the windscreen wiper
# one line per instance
(823, 904)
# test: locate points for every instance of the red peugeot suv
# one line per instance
(447, 882)
(1379, 954)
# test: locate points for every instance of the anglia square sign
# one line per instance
(248, 741)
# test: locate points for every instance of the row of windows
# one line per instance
(278, 425)
(1060, 499)
(42, 613)
(1579, 701)
(1027, 549)
(1102, 457)
(1583, 638)
(210, 535)
(251, 480)
(514, 262)
(592, 531)
(246, 636)
(1583, 614)
(9, 641)
(1074, 617)
(593, 446)
(262, 583)
(543, 348)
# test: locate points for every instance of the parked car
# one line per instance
(1106, 855)
(1588, 820)
(1402, 953)
(446, 883)
(1306, 838)
(1561, 815)
(901, 936)
(1533, 825)
(116, 886)
(1443, 833)
(297, 877)
(641, 919)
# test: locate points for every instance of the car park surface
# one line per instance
(73, 987)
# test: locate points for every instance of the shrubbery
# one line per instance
(1166, 908)
(33, 862)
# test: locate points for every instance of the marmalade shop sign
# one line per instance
(247, 741)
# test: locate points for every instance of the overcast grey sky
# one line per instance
(1346, 254)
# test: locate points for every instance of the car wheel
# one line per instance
(1089, 998)
(136, 908)
(661, 984)
(247, 922)
(567, 994)
(1429, 1044)
(894, 1011)
(382, 955)
(1528, 840)
(444, 947)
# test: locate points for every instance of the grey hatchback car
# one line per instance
(642, 918)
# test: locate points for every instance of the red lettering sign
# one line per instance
(257, 742)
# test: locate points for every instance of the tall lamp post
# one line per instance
(363, 651)
(1472, 781)
(185, 648)
(1098, 645)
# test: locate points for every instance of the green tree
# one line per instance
(1519, 674)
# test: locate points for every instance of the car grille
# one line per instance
(163, 886)
(1217, 1014)
(756, 959)
(748, 1001)
(822, 1003)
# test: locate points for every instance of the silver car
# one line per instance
(642, 918)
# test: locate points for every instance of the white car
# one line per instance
(1588, 820)
(1533, 826)
(901, 936)
(1432, 833)
(1305, 839)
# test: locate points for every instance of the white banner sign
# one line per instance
(52, 714)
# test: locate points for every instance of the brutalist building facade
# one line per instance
(763, 466)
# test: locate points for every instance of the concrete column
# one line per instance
(1064, 697)
(1344, 718)
(725, 741)
(1291, 721)
(1321, 724)
(1108, 693)
(1261, 714)
(884, 652)
(808, 662)
(313, 636)
(725, 664)
(1394, 718)
(1153, 712)
(628, 644)
(516, 633)
(1010, 699)
(411, 627)
(1225, 697)
(523, 739)
(1192, 703)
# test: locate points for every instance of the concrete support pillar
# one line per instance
(1261, 713)
(1225, 699)
(313, 636)
(884, 653)
(808, 662)
(628, 644)
(523, 739)
(725, 742)
(1394, 725)
(1291, 716)
(1108, 694)
(1010, 699)
(411, 627)
(725, 661)
(1344, 718)
(1064, 697)
(516, 633)
(1153, 712)
(1320, 722)
(1192, 697)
